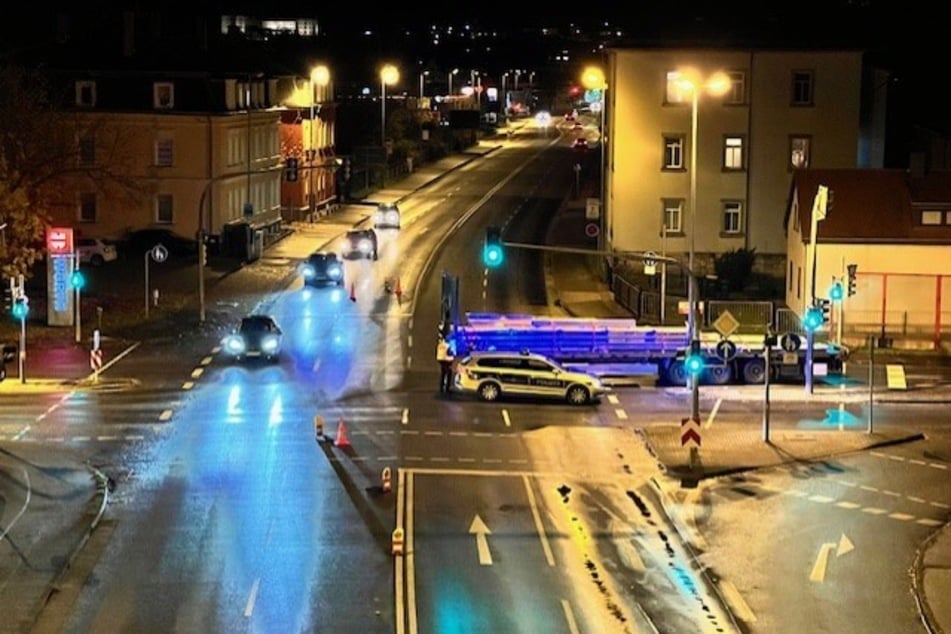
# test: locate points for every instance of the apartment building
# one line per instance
(782, 110)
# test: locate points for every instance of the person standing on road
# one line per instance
(444, 357)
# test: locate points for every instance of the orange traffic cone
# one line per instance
(342, 440)
(399, 290)
(353, 293)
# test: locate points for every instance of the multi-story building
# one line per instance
(782, 110)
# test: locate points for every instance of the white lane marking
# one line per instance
(404, 419)
(916, 499)
(106, 438)
(874, 510)
(196, 373)
(937, 466)
(847, 505)
(901, 516)
(409, 341)
(842, 415)
(570, 617)
(917, 462)
(924, 521)
(187, 385)
(940, 505)
(818, 573)
(505, 418)
(621, 414)
(164, 416)
(737, 603)
(823, 499)
(713, 413)
(865, 487)
(410, 556)
(480, 530)
(613, 399)
(891, 493)
(536, 517)
(206, 360)
(26, 503)
(249, 606)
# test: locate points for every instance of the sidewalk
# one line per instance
(574, 289)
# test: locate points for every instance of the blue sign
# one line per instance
(61, 285)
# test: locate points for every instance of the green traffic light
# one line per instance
(77, 279)
(812, 319)
(693, 364)
(492, 255)
(835, 292)
(20, 309)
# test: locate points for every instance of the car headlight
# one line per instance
(269, 344)
(234, 345)
(378, 217)
(334, 272)
(308, 271)
(346, 246)
(364, 245)
(393, 217)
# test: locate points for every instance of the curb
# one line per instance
(917, 580)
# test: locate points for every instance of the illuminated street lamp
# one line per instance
(388, 75)
(319, 76)
(455, 71)
(593, 79)
(422, 78)
(716, 84)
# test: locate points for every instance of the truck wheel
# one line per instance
(754, 371)
(578, 395)
(719, 374)
(676, 374)
(489, 391)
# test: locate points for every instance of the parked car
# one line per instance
(322, 267)
(141, 240)
(258, 336)
(360, 243)
(492, 375)
(95, 251)
(387, 215)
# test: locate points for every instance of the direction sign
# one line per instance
(726, 349)
(159, 253)
(591, 230)
(790, 342)
(689, 432)
(726, 324)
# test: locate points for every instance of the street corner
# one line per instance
(13, 385)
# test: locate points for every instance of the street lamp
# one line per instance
(504, 99)
(422, 77)
(455, 71)
(716, 84)
(593, 79)
(319, 76)
(388, 75)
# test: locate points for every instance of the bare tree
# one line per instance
(43, 162)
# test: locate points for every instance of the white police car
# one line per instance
(491, 375)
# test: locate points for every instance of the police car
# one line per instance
(492, 375)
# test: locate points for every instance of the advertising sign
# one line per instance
(59, 240)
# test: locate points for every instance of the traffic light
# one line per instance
(21, 306)
(7, 298)
(77, 279)
(825, 306)
(852, 268)
(836, 292)
(290, 170)
(812, 319)
(693, 362)
(492, 253)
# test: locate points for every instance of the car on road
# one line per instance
(360, 243)
(580, 144)
(95, 251)
(386, 216)
(322, 267)
(493, 375)
(258, 336)
(139, 241)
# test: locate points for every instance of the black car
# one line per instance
(360, 243)
(322, 267)
(141, 240)
(257, 336)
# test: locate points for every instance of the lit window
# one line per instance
(733, 153)
(163, 95)
(164, 152)
(673, 214)
(732, 217)
(802, 88)
(87, 208)
(673, 152)
(799, 151)
(931, 217)
(86, 93)
(164, 212)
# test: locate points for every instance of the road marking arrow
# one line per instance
(844, 546)
(480, 530)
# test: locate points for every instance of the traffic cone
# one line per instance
(399, 288)
(353, 293)
(342, 440)
(319, 426)
(387, 481)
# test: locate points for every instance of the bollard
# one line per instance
(386, 480)
(318, 427)
(397, 543)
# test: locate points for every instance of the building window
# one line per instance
(86, 94)
(791, 270)
(673, 152)
(673, 215)
(733, 153)
(87, 208)
(737, 92)
(164, 211)
(931, 218)
(164, 152)
(235, 153)
(802, 88)
(163, 95)
(800, 151)
(87, 150)
(732, 217)
(675, 92)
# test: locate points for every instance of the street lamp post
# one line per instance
(716, 84)
(389, 75)
(422, 79)
(503, 98)
(319, 76)
(593, 79)
(455, 71)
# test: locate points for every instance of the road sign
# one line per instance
(592, 209)
(159, 253)
(95, 360)
(726, 349)
(689, 432)
(726, 324)
(790, 342)
(591, 230)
